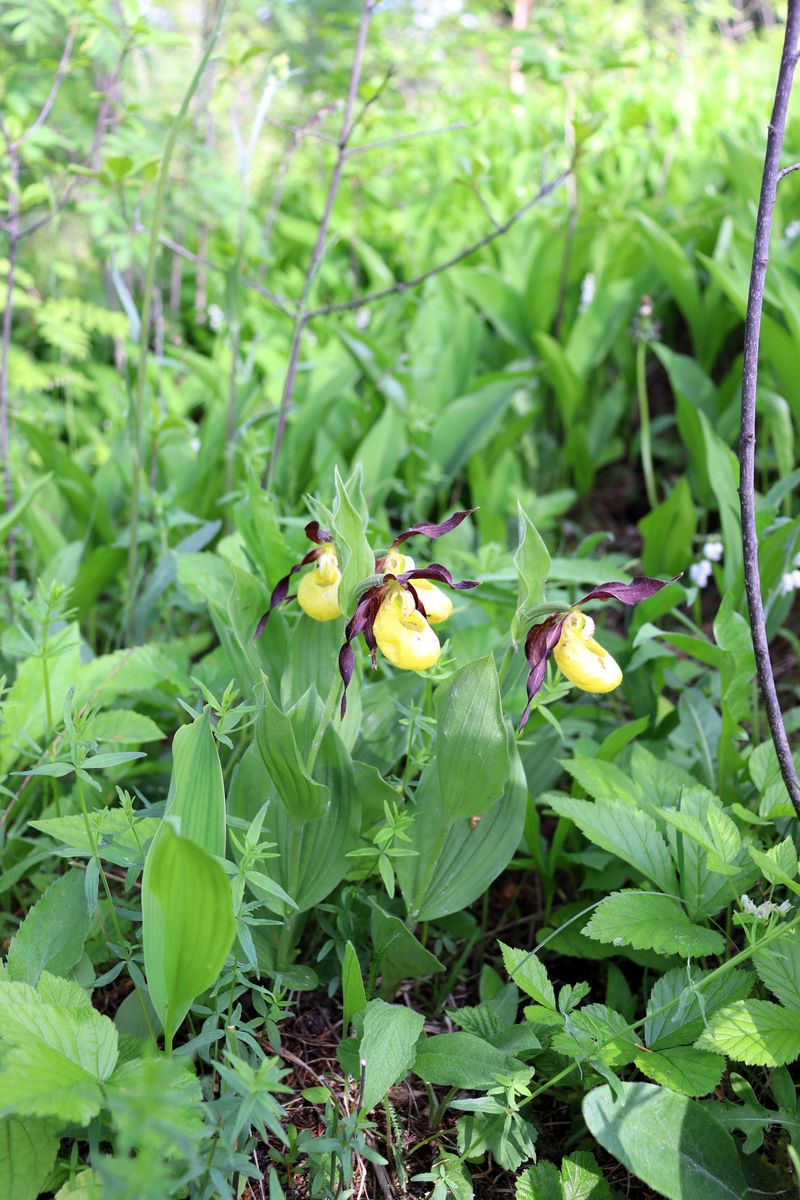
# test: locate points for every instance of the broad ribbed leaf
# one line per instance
(356, 559)
(461, 1060)
(195, 928)
(302, 798)
(671, 1143)
(532, 561)
(471, 741)
(388, 1046)
(650, 922)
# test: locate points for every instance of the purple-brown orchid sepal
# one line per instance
(543, 637)
(426, 529)
(363, 619)
(280, 593)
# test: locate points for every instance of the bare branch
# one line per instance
(5, 343)
(282, 303)
(51, 98)
(747, 446)
(788, 170)
(348, 124)
(414, 135)
(405, 285)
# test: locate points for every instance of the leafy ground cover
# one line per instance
(387, 804)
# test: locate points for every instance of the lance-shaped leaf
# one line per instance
(302, 797)
(471, 744)
(356, 560)
(433, 531)
(532, 561)
(195, 909)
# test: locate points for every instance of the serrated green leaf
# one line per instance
(529, 973)
(756, 1032)
(55, 1056)
(598, 1033)
(695, 1000)
(683, 1069)
(603, 780)
(52, 935)
(648, 921)
(779, 864)
(778, 968)
(628, 832)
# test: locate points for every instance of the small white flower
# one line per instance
(790, 582)
(588, 289)
(792, 230)
(700, 573)
(215, 317)
(195, 445)
(763, 911)
(713, 551)
(363, 318)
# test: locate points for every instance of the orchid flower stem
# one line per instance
(330, 705)
(506, 663)
(644, 425)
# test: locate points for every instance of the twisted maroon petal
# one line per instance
(539, 645)
(420, 607)
(433, 531)
(440, 574)
(362, 621)
(280, 593)
(642, 588)
(315, 533)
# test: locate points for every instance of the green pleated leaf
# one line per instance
(471, 741)
(668, 1141)
(301, 796)
(193, 925)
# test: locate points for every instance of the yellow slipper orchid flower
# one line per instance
(437, 604)
(318, 593)
(584, 661)
(403, 635)
(569, 637)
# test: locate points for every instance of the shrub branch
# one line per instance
(747, 447)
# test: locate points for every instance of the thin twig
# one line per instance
(406, 284)
(8, 314)
(282, 303)
(413, 135)
(348, 124)
(788, 170)
(51, 98)
(747, 446)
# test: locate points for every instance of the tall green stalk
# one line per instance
(645, 439)
(137, 408)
